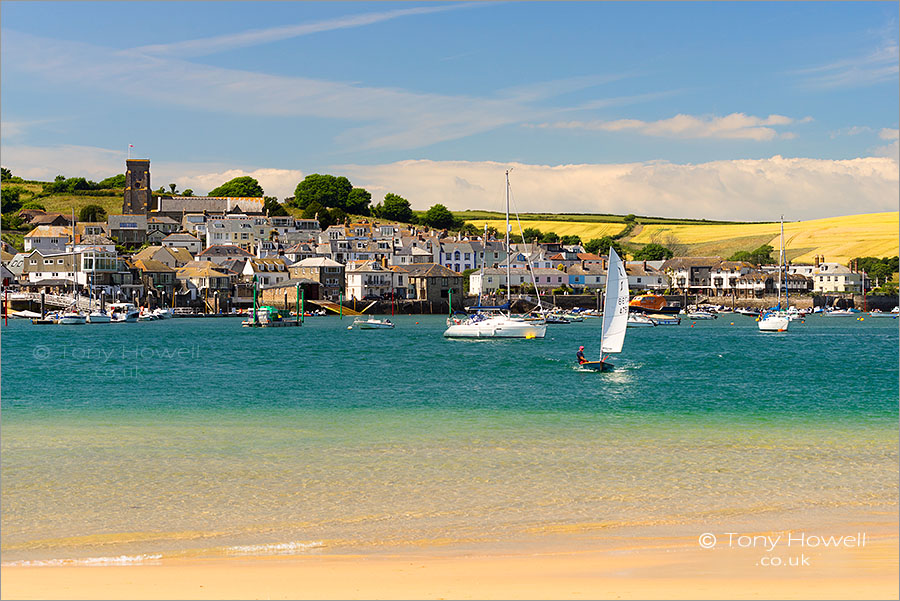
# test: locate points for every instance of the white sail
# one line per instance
(615, 306)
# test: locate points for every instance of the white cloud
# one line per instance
(887, 133)
(879, 66)
(752, 190)
(243, 39)
(733, 126)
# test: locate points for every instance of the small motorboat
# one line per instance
(639, 320)
(701, 315)
(163, 313)
(748, 312)
(72, 318)
(373, 324)
(99, 316)
(123, 312)
(664, 320)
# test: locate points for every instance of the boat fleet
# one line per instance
(113, 313)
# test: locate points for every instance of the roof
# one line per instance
(181, 237)
(51, 231)
(317, 262)
(689, 262)
(146, 254)
(152, 266)
(588, 257)
(224, 250)
(203, 270)
(49, 218)
(182, 255)
(213, 204)
(161, 219)
(428, 270)
(5, 256)
(95, 240)
(290, 283)
(116, 221)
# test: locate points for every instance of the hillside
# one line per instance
(836, 238)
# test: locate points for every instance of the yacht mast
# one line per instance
(508, 250)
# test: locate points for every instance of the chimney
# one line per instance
(582, 265)
(645, 265)
(816, 260)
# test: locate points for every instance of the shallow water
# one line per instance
(194, 436)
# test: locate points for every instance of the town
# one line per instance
(207, 255)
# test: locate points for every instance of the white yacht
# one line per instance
(497, 322)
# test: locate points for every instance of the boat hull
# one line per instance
(774, 323)
(597, 365)
(494, 329)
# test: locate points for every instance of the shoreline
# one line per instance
(670, 568)
(671, 572)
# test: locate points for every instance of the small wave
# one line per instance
(273, 548)
(121, 560)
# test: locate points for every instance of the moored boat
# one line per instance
(639, 320)
(373, 324)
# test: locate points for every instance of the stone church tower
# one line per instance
(137, 187)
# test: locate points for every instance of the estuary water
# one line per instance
(196, 437)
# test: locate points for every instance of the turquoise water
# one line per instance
(201, 437)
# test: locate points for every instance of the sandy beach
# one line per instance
(673, 569)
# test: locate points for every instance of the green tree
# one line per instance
(530, 233)
(273, 208)
(10, 199)
(396, 208)
(188, 192)
(92, 213)
(245, 186)
(31, 204)
(358, 201)
(313, 211)
(5, 173)
(438, 217)
(600, 246)
(629, 218)
(653, 252)
(570, 240)
(11, 221)
(760, 256)
(327, 190)
(173, 187)
(549, 237)
(116, 181)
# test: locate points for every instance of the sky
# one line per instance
(739, 111)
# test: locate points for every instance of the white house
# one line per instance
(268, 271)
(368, 279)
(183, 240)
(48, 238)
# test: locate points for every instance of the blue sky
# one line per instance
(718, 110)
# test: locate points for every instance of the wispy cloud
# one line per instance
(733, 126)
(879, 66)
(243, 39)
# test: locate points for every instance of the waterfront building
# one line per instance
(330, 274)
(268, 271)
(645, 277)
(368, 279)
(428, 282)
(587, 277)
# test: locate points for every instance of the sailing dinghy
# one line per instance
(615, 313)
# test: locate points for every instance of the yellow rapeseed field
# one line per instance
(563, 228)
(838, 239)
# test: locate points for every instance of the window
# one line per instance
(59, 261)
(48, 261)
(33, 262)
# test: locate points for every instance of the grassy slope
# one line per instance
(836, 238)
